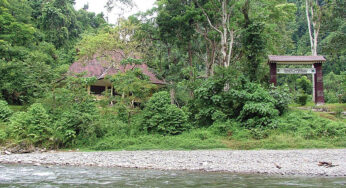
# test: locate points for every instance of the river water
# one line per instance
(66, 176)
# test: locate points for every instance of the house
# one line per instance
(108, 64)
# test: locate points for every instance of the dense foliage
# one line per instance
(310, 126)
(160, 116)
(247, 102)
(5, 111)
(212, 55)
(335, 88)
(37, 39)
(31, 127)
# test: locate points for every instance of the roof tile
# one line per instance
(276, 58)
(108, 64)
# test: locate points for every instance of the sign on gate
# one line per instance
(296, 71)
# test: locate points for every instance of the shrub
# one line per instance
(257, 114)
(338, 112)
(201, 134)
(113, 124)
(335, 87)
(304, 84)
(17, 126)
(75, 116)
(33, 126)
(259, 133)
(5, 111)
(310, 126)
(302, 99)
(77, 122)
(3, 136)
(247, 102)
(221, 128)
(159, 116)
(282, 98)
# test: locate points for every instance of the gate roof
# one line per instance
(295, 60)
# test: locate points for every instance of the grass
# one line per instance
(17, 108)
(195, 139)
(308, 104)
(284, 141)
(332, 107)
(285, 137)
(297, 129)
(331, 111)
(2, 133)
(156, 142)
(206, 139)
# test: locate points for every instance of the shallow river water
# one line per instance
(66, 176)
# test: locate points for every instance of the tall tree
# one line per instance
(221, 16)
(313, 16)
(176, 27)
(265, 30)
(333, 36)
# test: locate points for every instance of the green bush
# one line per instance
(3, 136)
(113, 125)
(304, 84)
(331, 97)
(310, 126)
(335, 87)
(221, 128)
(192, 139)
(247, 102)
(201, 134)
(302, 99)
(338, 112)
(159, 116)
(32, 127)
(74, 113)
(258, 134)
(5, 111)
(241, 133)
(282, 98)
(258, 114)
(70, 117)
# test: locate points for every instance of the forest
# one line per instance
(212, 55)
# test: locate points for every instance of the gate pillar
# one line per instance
(273, 74)
(319, 95)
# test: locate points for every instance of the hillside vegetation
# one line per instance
(212, 56)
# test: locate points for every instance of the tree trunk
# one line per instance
(191, 66)
(190, 60)
(309, 25)
(212, 59)
(313, 34)
(226, 33)
(210, 52)
(314, 30)
(172, 93)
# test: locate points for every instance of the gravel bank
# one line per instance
(284, 162)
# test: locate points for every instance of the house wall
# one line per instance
(100, 86)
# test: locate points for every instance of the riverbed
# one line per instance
(71, 176)
(274, 162)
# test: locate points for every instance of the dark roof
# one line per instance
(108, 64)
(296, 59)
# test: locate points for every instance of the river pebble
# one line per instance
(291, 162)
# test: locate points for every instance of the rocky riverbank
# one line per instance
(324, 162)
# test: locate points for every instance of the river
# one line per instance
(67, 176)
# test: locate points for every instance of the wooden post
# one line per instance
(112, 94)
(89, 89)
(106, 90)
(319, 95)
(273, 73)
